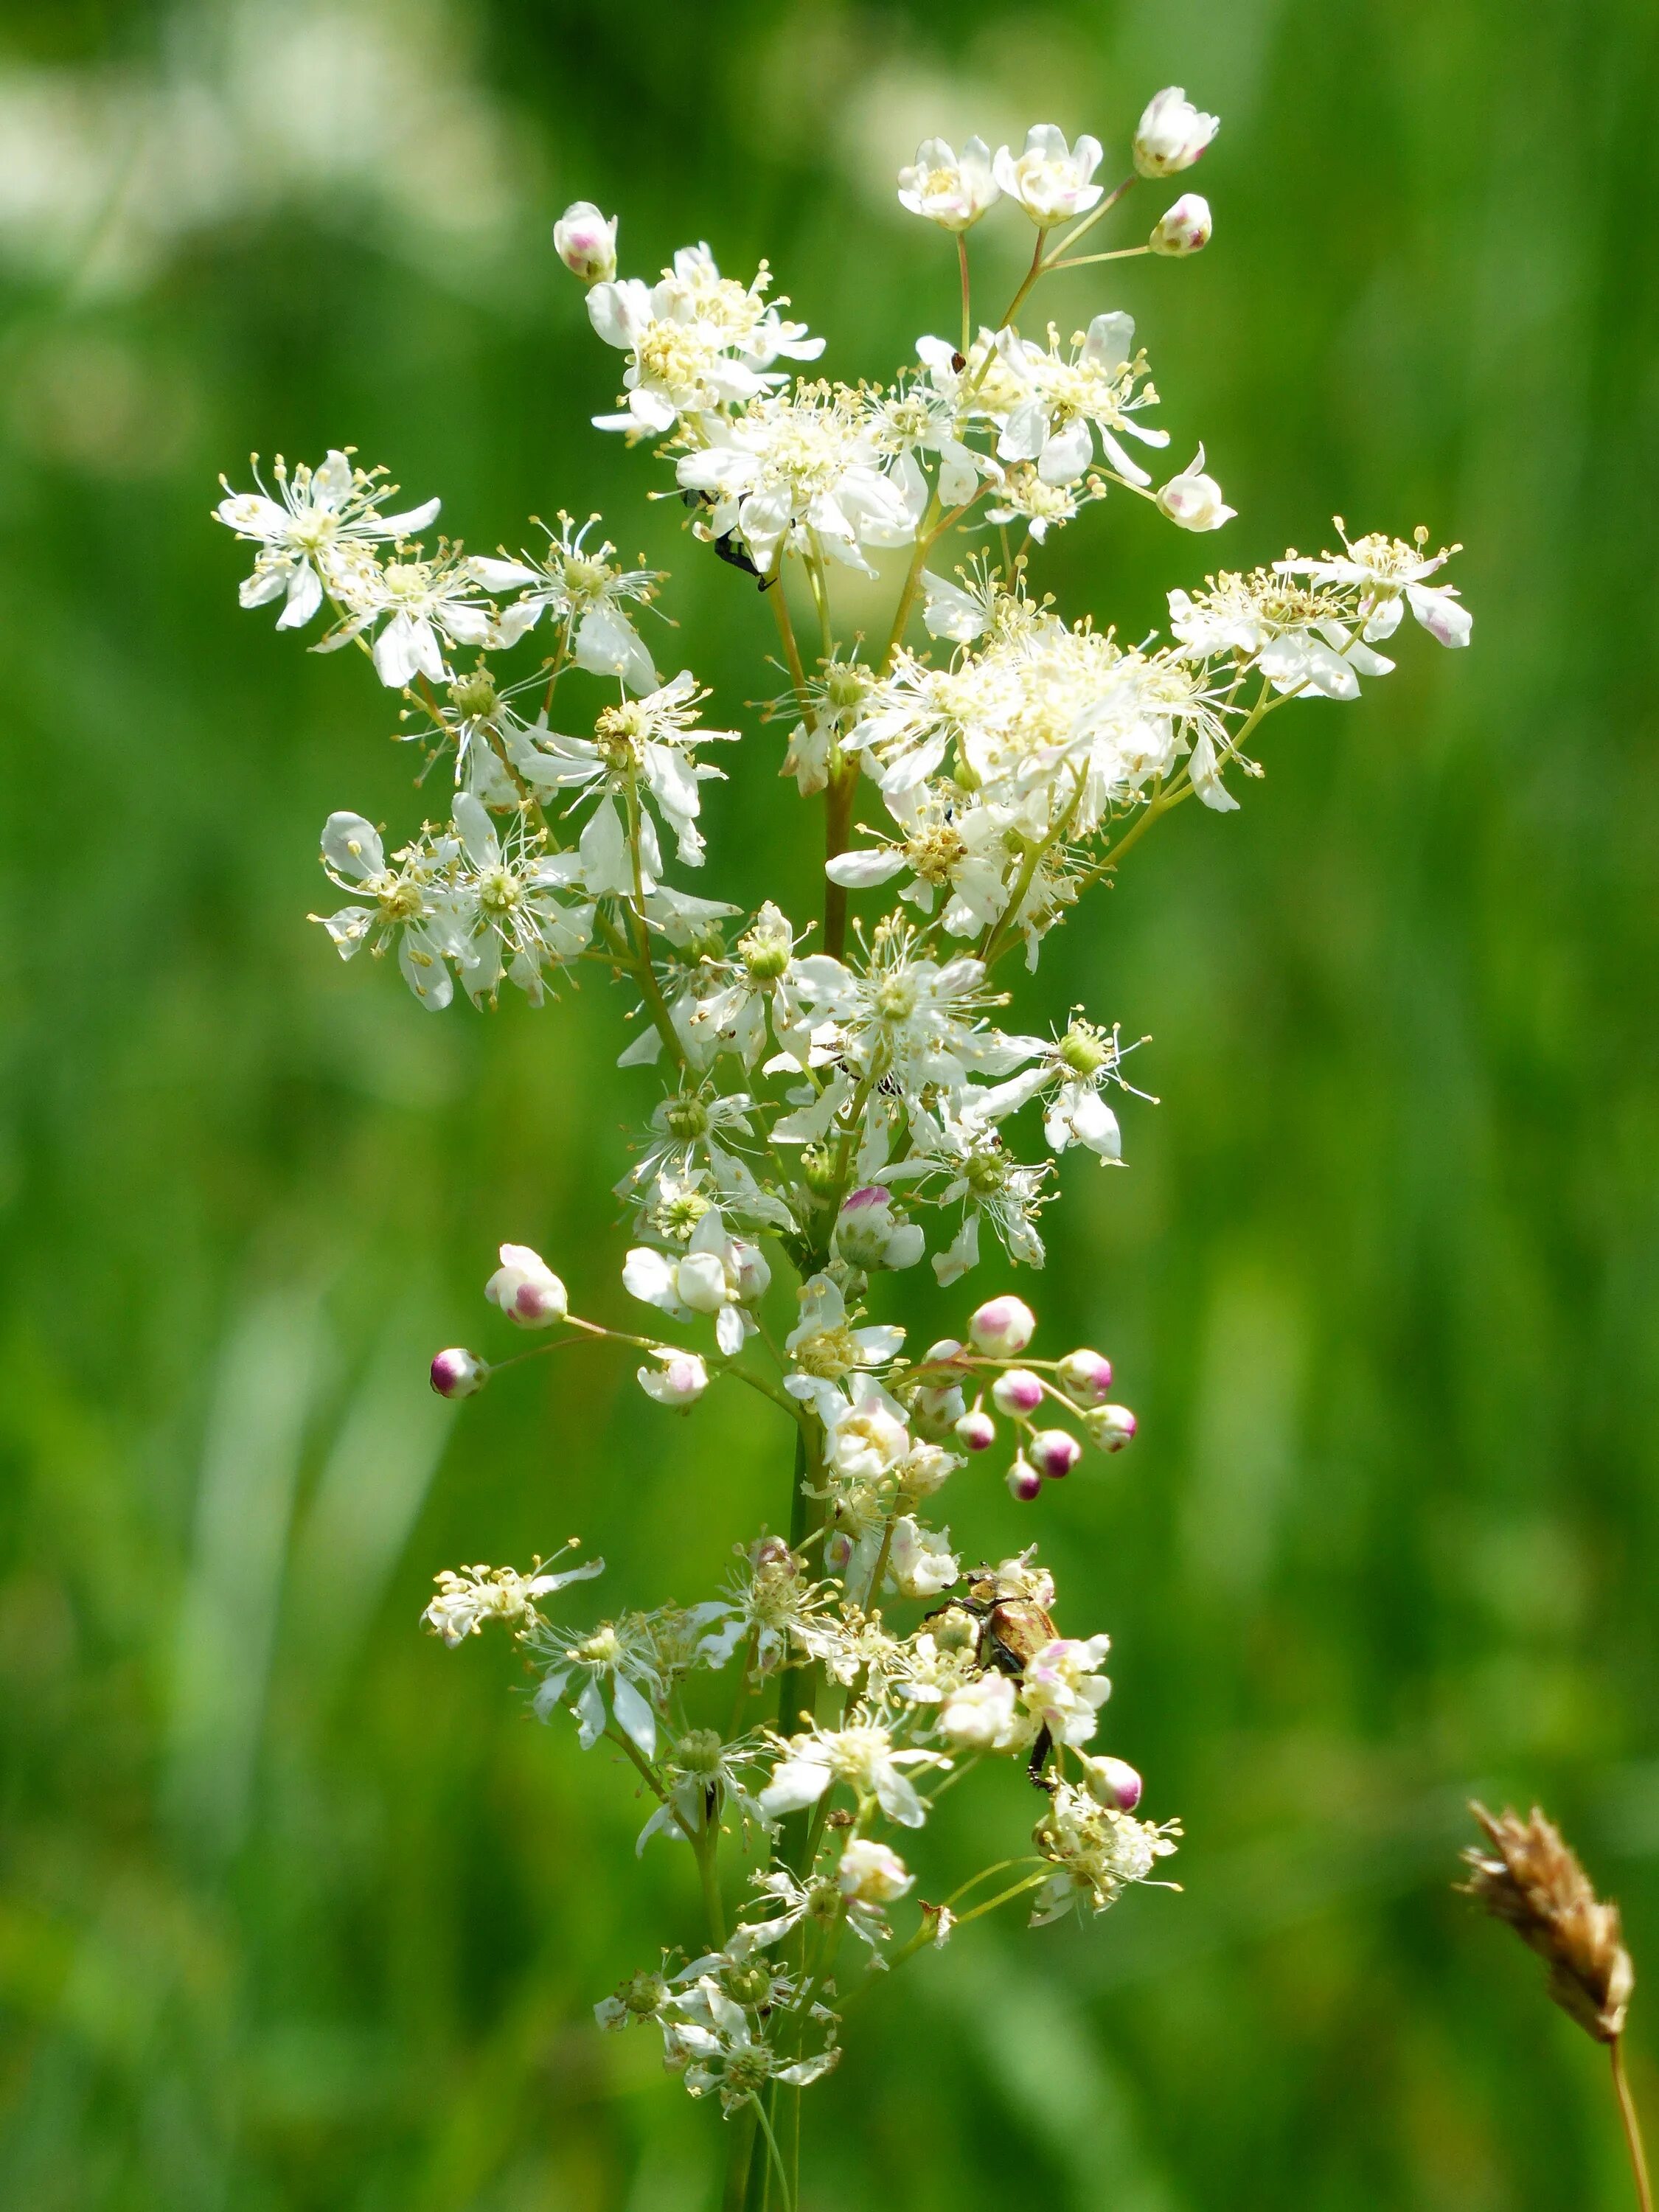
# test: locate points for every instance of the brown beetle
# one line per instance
(1004, 1631)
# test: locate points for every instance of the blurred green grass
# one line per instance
(296, 1909)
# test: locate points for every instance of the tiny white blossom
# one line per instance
(586, 241)
(1195, 500)
(1049, 179)
(321, 518)
(1171, 134)
(951, 192)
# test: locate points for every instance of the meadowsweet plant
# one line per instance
(828, 1090)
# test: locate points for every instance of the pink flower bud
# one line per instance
(586, 243)
(680, 1381)
(976, 1431)
(1023, 1480)
(1085, 1377)
(1112, 1783)
(1018, 1391)
(1055, 1452)
(1111, 1427)
(458, 1373)
(838, 1551)
(1002, 1326)
(1185, 228)
(527, 1289)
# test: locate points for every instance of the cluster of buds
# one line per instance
(998, 1333)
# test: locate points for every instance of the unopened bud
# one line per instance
(1111, 1427)
(680, 1381)
(586, 243)
(1193, 500)
(1002, 1326)
(1023, 1480)
(869, 1236)
(1111, 1782)
(1085, 1377)
(838, 1551)
(1055, 1452)
(458, 1373)
(700, 1282)
(1185, 228)
(976, 1431)
(527, 1289)
(1017, 1392)
(1172, 133)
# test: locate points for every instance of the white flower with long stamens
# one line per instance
(824, 1346)
(862, 1757)
(586, 592)
(951, 192)
(467, 1600)
(1094, 393)
(614, 1662)
(415, 607)
(645, 746)
(414, 904)
(504, 883)
(801, 471)
(1049, 179)
(320, 518)
(726, 2059)
(1097, 1853)
(1390, 575)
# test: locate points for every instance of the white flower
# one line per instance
(869, 1235)
(413, 904)
(823, 1345)
(1183, 228)
(950, 192)
(586, 243)
(919, 1561)
(319, 520)
(527, 1289)
(465, 1601)
(865, 1431)
(680, 1381)
(422, 606)
(587, 593)
(801, 469)
(1389, 575)
(871, 1872)
(1195, 500)
(863, 1758)
(726, 2058)
(1063, 1689)
(1049, 179)
(617, 1658)
(980, 1715)
(718, 1276)
(1171, 134)
(1097, 1853)
(1077, 397)
(648, 744)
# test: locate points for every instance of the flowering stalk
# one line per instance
(837, 1099)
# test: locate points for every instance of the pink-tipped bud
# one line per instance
(976, 1431)
(838, 1551)
(1111, 1427)
(1023, 1480)
(1017, 1392)
(1185, 228)
(586, 243)
(527, 1289)
(458, 1373)
(680, 1381)
(1055, 1452)
(1002, 1326)
(869, 1236)
(1112, 1783)
(1086, 1377)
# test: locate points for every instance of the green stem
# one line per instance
(967, 317)
(775, 2153)
(739, 2158)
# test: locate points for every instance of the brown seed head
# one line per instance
(1532, 1880)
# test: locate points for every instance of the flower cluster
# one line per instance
(828, 1087)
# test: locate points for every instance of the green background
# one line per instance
(297, 1908)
